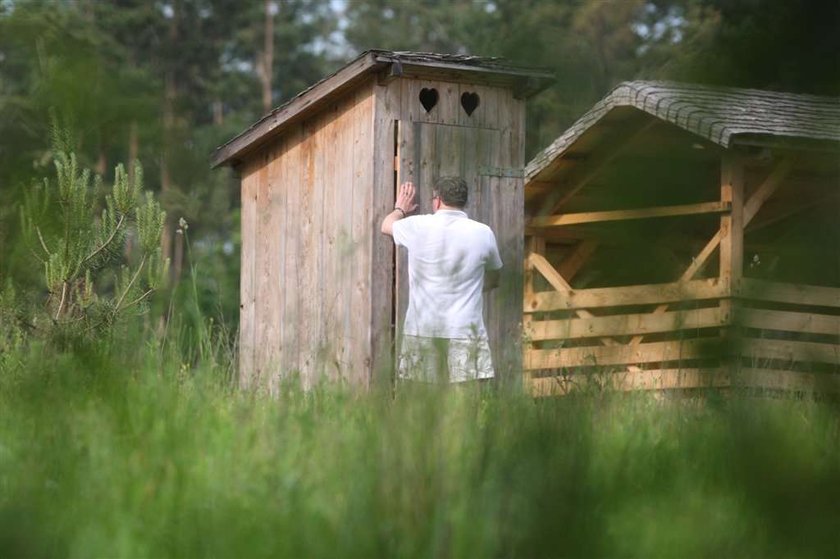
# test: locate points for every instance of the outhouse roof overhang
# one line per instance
(390, 64)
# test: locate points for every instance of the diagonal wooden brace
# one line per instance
(770, 185)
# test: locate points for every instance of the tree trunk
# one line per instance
(265, 63)
(133, 152)
(169, 96)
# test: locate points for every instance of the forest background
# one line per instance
(122, 430)
(167, 81)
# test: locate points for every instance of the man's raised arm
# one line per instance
(404, 206)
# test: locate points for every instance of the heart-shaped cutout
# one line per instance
(469, 101)
(428, 98)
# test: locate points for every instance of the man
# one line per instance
(452, 260)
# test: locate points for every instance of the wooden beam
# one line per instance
(572, 264)
(791, 208)
(732, 224)
(652, 294)
(544, 267)
(767, 189)
(539, 262)
(680, 379)
(623, 355)
(801, 322)
(790, 293)
(623, 325)
(762, 193)
(761, 350)
(622, 215)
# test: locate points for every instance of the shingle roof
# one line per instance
(715, 113)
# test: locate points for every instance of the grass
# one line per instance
(141, 456)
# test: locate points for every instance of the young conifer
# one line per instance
(80, 238)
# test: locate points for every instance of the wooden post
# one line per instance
(731, 251)
(532, 245)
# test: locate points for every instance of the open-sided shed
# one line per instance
(683, 236)
(321, 288)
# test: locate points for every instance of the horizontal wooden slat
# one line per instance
(621, 354)
(622, 325)
(652, 294)
(790, 351)
(806, 323)
(791, 293)
(665, 379)
(621, 215)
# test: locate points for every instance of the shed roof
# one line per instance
(526, 81)
(717, 114)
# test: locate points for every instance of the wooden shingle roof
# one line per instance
(717, 114)
(525, 81)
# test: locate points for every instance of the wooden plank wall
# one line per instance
(249, 188)
(307, 250)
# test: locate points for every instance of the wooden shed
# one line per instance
(322, 290)
(682, 236)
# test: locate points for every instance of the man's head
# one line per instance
(451, 191)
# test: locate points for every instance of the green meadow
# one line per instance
(127, 451)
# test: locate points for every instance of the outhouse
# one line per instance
(682, 237)
(323, 292)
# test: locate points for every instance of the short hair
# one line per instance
(452, 191)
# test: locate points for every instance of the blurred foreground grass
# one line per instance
(103, 459)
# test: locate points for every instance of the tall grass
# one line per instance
(137, 453)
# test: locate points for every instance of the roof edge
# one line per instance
(529, 82)
(337, 82)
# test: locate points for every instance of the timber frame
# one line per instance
(714, 295)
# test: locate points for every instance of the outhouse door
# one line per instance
(426, 151)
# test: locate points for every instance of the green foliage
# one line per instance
(90, 281)
(140, 455)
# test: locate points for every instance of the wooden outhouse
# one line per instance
(322, 290)
(682, 236)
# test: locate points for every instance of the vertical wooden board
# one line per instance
(351, 257)
(282, 176)
(261, 268)
(290, 176)
(357, 317)
(449, 104)
(508, 223)
(258, 271)
(337, 185)
(732, 224)
(249, 187)
(493, 203)
(299, 173)
(312, 250)
(322, 301)
(386, 112)
(269, 338)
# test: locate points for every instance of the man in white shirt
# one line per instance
(452, 260)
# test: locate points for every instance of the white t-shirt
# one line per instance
(448, 254)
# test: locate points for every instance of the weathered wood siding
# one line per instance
(319, 280)
(307, 250)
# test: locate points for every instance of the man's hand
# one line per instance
(405, 198)
(404, 206)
